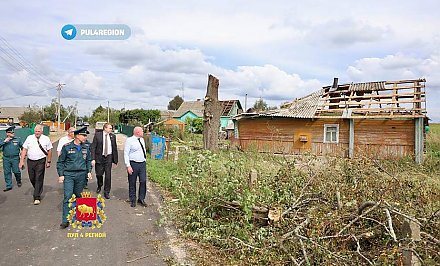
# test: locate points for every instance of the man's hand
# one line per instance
(7, 140)
(93, 162)
(129, 170)
(47, 164)
(60, 179)
(21, 165)
(89, 176)
(114, 165)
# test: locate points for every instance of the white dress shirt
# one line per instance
(33, 149)
(133, 150)
(109, 143)
(63, 141)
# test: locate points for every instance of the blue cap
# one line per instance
(10, 129)
(81, 131)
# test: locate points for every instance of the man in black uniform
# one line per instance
(73, 165)
(11, 147)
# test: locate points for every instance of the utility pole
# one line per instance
(59, 87)
(183, 91)
(245, 103)
(108, 111)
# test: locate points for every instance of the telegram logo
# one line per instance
(68, 32)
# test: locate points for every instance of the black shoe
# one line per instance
(7, 189)
(106, 196)
(98, 190)
(142, 203)
(86, 187)
(133, 204)
(19, 184)
(64, 225)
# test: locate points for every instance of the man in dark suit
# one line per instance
(104, 155)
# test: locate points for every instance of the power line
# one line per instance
(15, 60)
(32, 94)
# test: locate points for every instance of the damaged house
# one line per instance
(381, 119)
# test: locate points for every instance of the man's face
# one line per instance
(38, 131)
(81, 138)
(139, 132)
(70, 133)
(10, 134)
(108, 129)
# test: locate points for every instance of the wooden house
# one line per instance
(381, 119)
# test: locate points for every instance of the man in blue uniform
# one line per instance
(73, 165)
(11, 147)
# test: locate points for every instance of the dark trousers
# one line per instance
(73, 184)
(139, 170)
(10, 165)
(104, 167)
(36, 175)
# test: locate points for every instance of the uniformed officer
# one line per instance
(11, 147)
(73, 165)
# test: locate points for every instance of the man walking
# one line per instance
(66, 139)
(73, 165)
(135, 161)
(104, 156)
(38, 149)
(11, 147)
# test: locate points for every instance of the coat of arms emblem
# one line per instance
(86, 212)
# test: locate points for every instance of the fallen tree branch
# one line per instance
(430, 237)
(358, 250)
(390, 225)
(357, 218)
(304, 251)
(397, 211)
(243, 243)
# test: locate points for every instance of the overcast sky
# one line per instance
(277, 50)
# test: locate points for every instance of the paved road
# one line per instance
(30, 235)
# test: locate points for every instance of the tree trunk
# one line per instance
(211, 115)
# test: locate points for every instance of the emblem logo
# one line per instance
(86, 212)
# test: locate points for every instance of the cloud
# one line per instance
(269, 82)
(85, 85)
(346, 32)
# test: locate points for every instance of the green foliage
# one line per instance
(100, 115)
(260, 105)
(175, 103)
(203, 186)
(31, 116)
(139, 117)
(194, 125)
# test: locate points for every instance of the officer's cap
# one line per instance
(10, 129)
(82, 131)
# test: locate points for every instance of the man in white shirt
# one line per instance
(135, 161)
(38, 149)
(66, 139)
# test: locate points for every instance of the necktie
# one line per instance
(143, 150)
(105, 145)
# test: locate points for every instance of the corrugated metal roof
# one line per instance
(367, 86)
(300, 108)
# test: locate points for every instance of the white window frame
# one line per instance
(325, 133)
